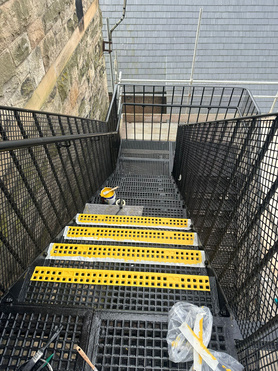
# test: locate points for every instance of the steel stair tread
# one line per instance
(133, 221)
(131, 235)
(129, 254)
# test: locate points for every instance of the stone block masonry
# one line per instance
(49, 62)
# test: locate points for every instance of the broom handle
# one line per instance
(84, 356)
(110, 190)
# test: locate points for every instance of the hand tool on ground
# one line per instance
(84, 356)
(46, 362)
(27, 366)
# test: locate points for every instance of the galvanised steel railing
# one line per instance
(50, 165)
(227, 173)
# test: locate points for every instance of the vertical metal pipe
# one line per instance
(196, 45)
(194, 53)
(274, 102)
(143, 113)
(110, 55)
(116, 67)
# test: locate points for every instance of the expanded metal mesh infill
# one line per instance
(227, 172)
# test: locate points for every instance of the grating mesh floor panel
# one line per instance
(24, 330)
(132, 344)
(156, 167)
(114, 298)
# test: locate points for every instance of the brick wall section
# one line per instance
(238, 40)
(33, 34)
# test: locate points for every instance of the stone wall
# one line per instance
(48, 61)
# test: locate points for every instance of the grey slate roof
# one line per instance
(238, 41)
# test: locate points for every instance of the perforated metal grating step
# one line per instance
(145, 145)
(156, 194)
(135, 221)
(143, 178)
(150, 180)
(116, 297)
(131, 235)
(171, 213)
(149, 202)
(156, 167)
(120, 278)
(127, 244)
(127, 254)
(141, 187)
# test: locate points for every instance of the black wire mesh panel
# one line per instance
(24, 330)
(227, 171)
(260, 352)
(154, 112)
(138, 342)
(43, 187)
(117, 297)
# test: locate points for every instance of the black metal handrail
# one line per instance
(9, 145)
(136, 87)
(156, 111)
(251, 117)
(227, 173)
(50, 166)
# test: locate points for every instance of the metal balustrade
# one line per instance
(225, 167)
(50, 166)
(228, 175)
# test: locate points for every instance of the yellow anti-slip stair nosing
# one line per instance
(136, 221)
(128, 254)
(131, 235)
(121, 278)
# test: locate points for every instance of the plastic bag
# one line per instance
(178, 347)
(224, 359)
(184, 316)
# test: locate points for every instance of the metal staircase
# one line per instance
(110, 275)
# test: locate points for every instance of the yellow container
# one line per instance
(108, 198)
